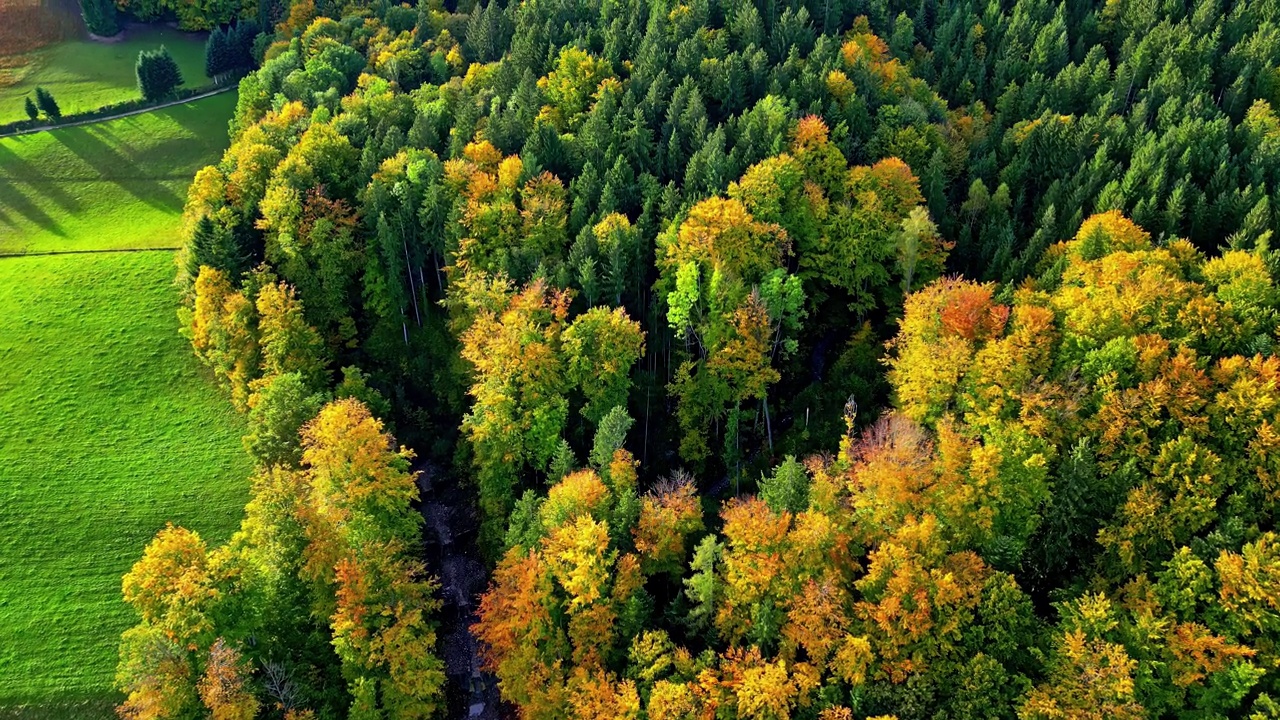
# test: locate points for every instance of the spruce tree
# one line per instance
(47, 105)
(240, 39)
(217, 53)
(100, 17)
(32, 111)
(158, 73)
(203, 248)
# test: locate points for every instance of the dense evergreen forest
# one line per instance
(833, 359)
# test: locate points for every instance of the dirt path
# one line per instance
(452, 556)
(139, 111)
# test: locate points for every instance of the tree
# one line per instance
(788, 488)
(173, 586)
(47, 105)
(1090, 678)
(520, 409)
(212, 244)
(158, 73)
(376, 593)
(601, 347)
(218, 53)
(222, 328)
(278, 408)
(669, 515)
(100, 17)
(223, 689)
(155, 675)
(29, 105)
(730, 299)
(289, 344)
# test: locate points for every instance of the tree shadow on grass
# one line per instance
(115, 167)
(20, 170)
(12, 198)
(190, 117)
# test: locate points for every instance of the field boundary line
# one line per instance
(130, 113)
(46, 253)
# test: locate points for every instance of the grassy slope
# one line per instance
(110, 431)
(108, 427)
(84, 75)
(113, 184)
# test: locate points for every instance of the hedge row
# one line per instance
(117, 108)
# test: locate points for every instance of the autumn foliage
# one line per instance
(1032, 435)
(325, 552)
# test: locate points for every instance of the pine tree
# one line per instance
(204, 248)
(32, 111)
(240, 39)
(158, 73)
(100, 17)
(49, 106)
(217, 53)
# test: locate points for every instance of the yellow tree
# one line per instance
(731, 301)
(600, 347)
(362, 533)
(520, 409)
(223, 688)
(222, 327)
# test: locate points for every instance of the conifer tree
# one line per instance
(49, 106)
(217, 53)
(158, 73)
(100, 17)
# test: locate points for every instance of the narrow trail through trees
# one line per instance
(452, 556)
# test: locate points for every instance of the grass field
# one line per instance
(109, 431)
(84, 74)
(115, 184)
(108, 426)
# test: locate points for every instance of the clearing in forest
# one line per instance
(109, 428)
(84, 74)
(108, 185)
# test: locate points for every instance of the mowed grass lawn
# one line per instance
(85, 75)
(108, 430)
(115, 184)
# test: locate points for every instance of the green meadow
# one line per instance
(109, 185)
(111, 431)
(109, 427)
(84, 75)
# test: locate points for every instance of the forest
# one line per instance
(796, 359)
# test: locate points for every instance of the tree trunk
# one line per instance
(413, 292)
(768, 426)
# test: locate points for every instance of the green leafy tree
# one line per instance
(278, 408)
(787, 489)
